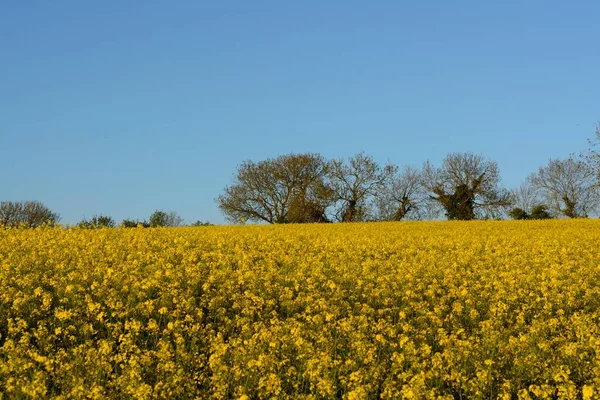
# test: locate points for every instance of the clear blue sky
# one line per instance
(124, 107)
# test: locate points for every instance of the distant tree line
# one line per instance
(300, 188)
(158, 218)
(33, 214)
(308, 188)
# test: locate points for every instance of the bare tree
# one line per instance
(467, 187)
(526, 196)
(527, 202)
(403, 197)
(173, 219)
(569, 187)
(26, 213)
(11, 213)
(289, 188)
(356, 183)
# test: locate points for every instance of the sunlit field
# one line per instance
(353, 311)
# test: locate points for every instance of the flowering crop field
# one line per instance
(354, 311)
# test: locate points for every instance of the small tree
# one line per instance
(26, 213)
(158, 218)
(173, 219)
(100, 221)
(163, 218)
(200, 223)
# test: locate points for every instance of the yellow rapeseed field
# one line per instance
(411, 310)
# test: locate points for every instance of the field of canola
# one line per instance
(353, 311)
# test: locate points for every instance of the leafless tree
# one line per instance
(26, 213)
(11, 213)
(569, 187)
(173, 219)
(356, 182)
(403, 197)
(526, 196)
(289, 188)
(467, 187)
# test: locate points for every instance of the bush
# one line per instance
(200, 223)
(131, 223)
(162, 218)
(540, 212)
(518, 213)
(100, 221)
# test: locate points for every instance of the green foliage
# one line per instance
(100, 221)
(158, 218)
(200, 223)
(162, 218)
(467, 187)
(518, 213)
(459, 205)
(132, 223)
(540, 212)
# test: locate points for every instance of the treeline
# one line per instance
(308, 188)
(26, 214)
(304, 188)
(33, 214)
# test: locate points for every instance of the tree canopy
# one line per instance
(467, 186)
(289, 188)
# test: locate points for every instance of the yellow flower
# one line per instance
(382, 310)
(587, 392)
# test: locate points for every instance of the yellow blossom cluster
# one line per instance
(415, 310)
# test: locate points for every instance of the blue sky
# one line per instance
(124, 107)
